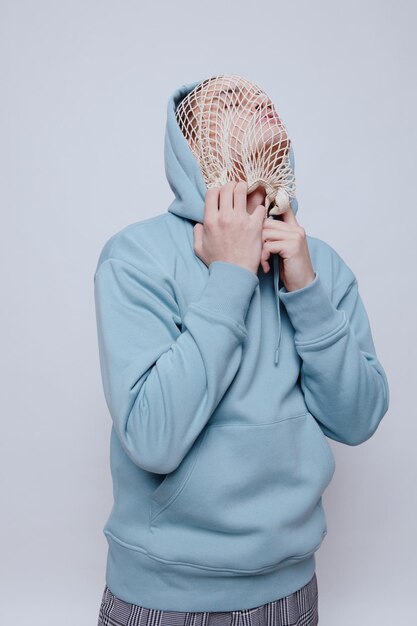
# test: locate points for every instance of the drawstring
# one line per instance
(275, 264)
(278, 304)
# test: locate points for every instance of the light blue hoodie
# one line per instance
(219, 455)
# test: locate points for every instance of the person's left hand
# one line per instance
(284, 236)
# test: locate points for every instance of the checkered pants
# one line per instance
(298, 609)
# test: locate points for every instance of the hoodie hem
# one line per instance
(134, 576)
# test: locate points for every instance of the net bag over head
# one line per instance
(235, 133)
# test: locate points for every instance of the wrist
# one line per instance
(295, 286)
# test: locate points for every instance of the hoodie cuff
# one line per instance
(228, 290)
(311, 311)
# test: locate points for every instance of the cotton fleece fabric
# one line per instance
(222, 388)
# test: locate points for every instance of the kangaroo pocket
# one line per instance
(250, 500)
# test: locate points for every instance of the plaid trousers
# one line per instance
(298, 609)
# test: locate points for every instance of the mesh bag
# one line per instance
(235, 133)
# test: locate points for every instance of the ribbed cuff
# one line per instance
(228, 290)
(311, 311)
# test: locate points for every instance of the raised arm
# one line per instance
(344, 384)
(162, 376)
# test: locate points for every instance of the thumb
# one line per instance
(198, 235)
(260, 213)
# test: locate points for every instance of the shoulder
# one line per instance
(137, 244)
(334, 272)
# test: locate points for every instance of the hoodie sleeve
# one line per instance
(344, 384)
(163, 375)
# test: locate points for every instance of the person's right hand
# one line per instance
(229, 232)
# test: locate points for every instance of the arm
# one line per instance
(344, 384)
(162, 385)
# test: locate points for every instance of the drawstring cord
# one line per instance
(278, 305)
(275, 265)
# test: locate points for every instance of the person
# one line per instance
(223, 379)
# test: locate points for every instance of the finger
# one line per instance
(211, 208)
(265, 254)
(240, 195)
(198, 235)
(275, 247)
(270, 234)
(277, 225)
(226, 196)
(265, 266)
(259, 214)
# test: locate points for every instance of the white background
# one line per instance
(84, 90)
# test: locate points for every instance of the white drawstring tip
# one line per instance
(276, 356)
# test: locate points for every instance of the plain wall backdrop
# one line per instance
(84, 90)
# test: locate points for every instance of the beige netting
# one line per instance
(235, 133)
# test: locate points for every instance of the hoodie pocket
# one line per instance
(249, 501)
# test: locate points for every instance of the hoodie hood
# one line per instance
(187, 183)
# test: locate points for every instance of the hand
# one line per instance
(229, 232)
(284, 236)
